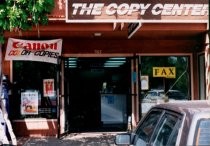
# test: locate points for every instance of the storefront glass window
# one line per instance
(33, 90)
(164, 78)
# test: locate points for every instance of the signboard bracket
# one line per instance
(133, 28)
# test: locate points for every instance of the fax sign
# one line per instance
(167, 72)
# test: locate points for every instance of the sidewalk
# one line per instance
(22, 140)
(74, 139)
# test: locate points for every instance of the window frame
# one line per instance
(176, 129)
(177, 125)
(163, 113)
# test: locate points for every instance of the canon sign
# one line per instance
(136, 10)
(34, 46)
(46, 51)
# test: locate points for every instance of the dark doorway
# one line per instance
(86, 79)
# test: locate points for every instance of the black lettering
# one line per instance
(47, 53)
(25, 52)
(56, 55)
(163, 72)
(37, 53)
(52, 54)
(156, 71)
(171, 71)
(42, 53)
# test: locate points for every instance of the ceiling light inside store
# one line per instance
(115, 62)
(71, 63)
(97, 34)
(72, 66)
(111, 65)
(72, 58)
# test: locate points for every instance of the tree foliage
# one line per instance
(21, 15)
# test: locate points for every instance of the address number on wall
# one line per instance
(98, 51)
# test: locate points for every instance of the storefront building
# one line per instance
(100, 60)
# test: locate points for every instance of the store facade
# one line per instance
(112, 53)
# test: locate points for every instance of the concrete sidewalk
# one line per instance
(74, 139)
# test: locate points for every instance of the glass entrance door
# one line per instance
(95, 88)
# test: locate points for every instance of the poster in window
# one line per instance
(144, 82)
(48, 87)
(29, 103)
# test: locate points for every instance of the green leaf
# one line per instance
(15, 14)
(1, 39)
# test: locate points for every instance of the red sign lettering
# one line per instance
(34, 46)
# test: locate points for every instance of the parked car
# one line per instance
(156, 94)
(181, 123)
(176, 95)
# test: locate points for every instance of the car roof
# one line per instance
(188, 107)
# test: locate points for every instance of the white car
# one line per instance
(154, 95)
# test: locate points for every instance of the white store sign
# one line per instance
(136, 10)
(42, 50)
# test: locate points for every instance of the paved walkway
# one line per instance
(74, 139)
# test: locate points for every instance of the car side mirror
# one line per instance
(123, 139)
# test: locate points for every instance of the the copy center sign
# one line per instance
(167, 72)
